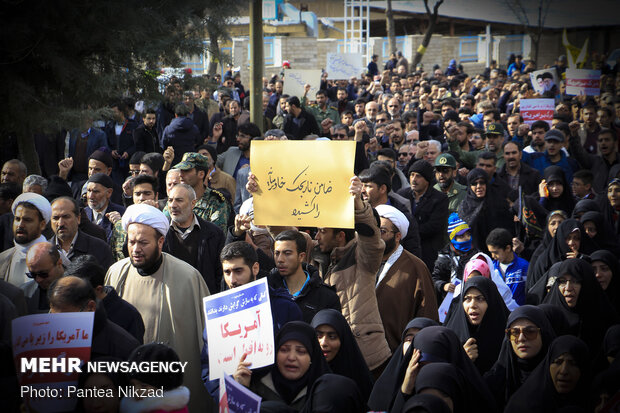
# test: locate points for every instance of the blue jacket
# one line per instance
(183, 135)
(96, 139)
(540, 161)
(515, 277)
(283, 310)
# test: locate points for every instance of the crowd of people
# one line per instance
(482, 273)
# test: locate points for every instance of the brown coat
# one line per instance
(352, 270)
(220, 179)
(404, 293)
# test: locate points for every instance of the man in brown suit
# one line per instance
(404, 286)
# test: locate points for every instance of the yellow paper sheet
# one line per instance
(303, 183)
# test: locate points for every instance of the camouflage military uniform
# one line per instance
(320, 115)
(117, 240)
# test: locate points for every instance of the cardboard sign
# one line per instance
(238, 398)
(537, 109)
(583, 82)
(57, 336)
(303, 183)
(545, 81)
(445, 304)
(344, 65)
(239, 321)
(296, 79)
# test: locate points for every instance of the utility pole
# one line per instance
(256, 63)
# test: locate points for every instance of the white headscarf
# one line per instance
(39, 201)
(397, 218)
(147, 215)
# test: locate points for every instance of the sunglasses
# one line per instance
(40, 274)
(340, 135)
(403, 154)
(529, 332)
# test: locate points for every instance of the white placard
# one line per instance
(296, 79)
(583, 82)
(537, 109)
(344, 65)
(239, 321)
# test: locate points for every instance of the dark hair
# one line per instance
(321, 92)
(540, 124)
(181, 110)
(211, 150)
(342, 126)
(239, 249)
(293, 100)
(448, 102)
(153, 160)
(469, 128)
(88, 268)
(466, 111)
(349, 233)
(377, 174)
(608, 131)
(146, 179)
(487, 155)
(399, 121)
(563, 126)
(76, 206)
(493, 112)
(585, 175)
(76, 294)
(389, 152)
(407, 116)
(499, 238)
(9, 190)
(136, 157)
(250, 129)
(519, 148)
(293, 235)
(149, 111)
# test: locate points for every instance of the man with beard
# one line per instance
(538, 129)
(393, 107)
(402, 278)
(299, 123)
(70, 240)
(165, 290)
(396, 129)
(495, 138)
(192, 239)
(599, 164)
(516, 173)
(32, 212)
(145, 136)
(487, 162)
(98, 194)
(445, 173)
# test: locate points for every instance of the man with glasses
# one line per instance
(404, 156)
(371, 111)
(393, 107)
(341, 132)
(44, 267)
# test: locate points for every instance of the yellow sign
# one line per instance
(303, 183)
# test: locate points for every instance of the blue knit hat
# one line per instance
(456, 226)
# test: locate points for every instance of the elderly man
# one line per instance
(166, 291)
(99, 191)
(404, 286)
(72, 294)
(32, 213)
(192, 239)
(44, 267)
(35, 183)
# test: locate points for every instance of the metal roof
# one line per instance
(561, 14)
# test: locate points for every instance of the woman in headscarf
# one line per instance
(479, 321)
(90, 380)
(607, 272)
(426, 402)
(299, 363)
(341, 350)
(582, 300)
(528, 336)
(332, 393)
(389, 383)
(583, 206)
(447, 382)
(539, 291)
(554, 191)
(483, 209)
(554, 219)
(570, 241)
(560, 380)
(595, 227)
(610, 205)
(440, 344)
(556, 317)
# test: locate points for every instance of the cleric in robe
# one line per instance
(166, 291)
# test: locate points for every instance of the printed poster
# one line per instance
(545, 81)
(303, 183)
(239, 321)
(57, 336)
(537, 109)
(344, 65)
(583, 82)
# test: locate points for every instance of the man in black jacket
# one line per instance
(516, 173)
(145, 136)
(301, 280)
(429, 207)
(298, 123)
(200, 118)
(193, 239)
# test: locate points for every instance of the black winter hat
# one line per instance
(156, 352)
(423, 168)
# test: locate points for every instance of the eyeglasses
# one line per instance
(40, 274)
(529, 332)
(403, 154)
(134, 173)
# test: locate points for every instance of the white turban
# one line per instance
(147, 215)
(39, 201)
(397, 218)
